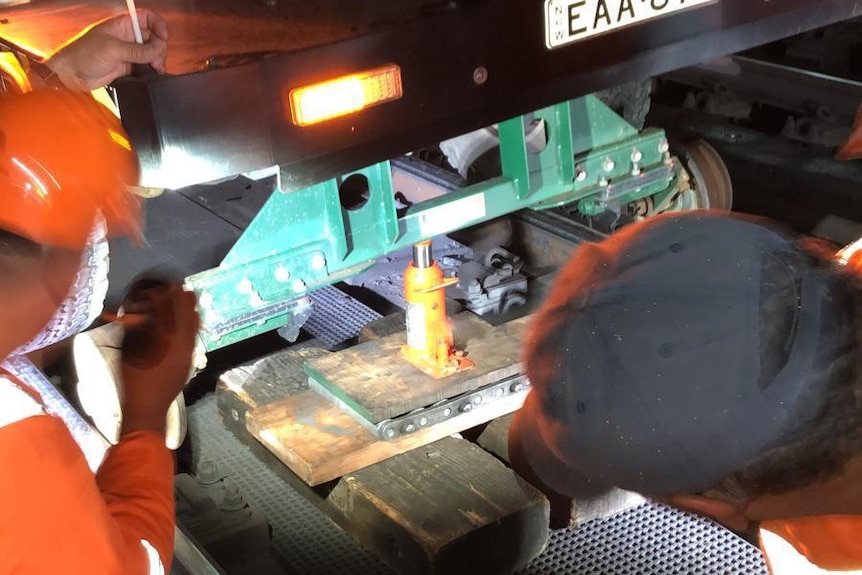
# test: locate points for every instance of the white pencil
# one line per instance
(136, 26)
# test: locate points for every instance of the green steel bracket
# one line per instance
(305, 239)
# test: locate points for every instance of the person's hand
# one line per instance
(161, 326)
(107, 50)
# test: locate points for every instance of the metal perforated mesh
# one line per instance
(648, 540)
(337, 318)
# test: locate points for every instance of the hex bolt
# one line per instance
(408, 427)
(447, 412)
(245, 286)
(608, 165)
(318, 261)
(480, 75)
(423, 421)
(298, 286)
(517, 387)
(206, 299)
(580, 174)
(637, 156)
(663, 146)
(282, 274)
(466, 407)
(207, 473)
(233, 500)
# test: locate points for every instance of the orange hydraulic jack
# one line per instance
(430, 345)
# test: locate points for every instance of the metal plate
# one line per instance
(569, 21)
(648, 540)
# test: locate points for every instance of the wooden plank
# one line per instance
(565, 511)
(448, 508)
(373, 380)
(262, 382)
(383, 327)
(320, 441)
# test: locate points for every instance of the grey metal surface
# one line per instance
(646, 540)
(337, 318)
(307, 540)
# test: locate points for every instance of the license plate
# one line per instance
(568, 21)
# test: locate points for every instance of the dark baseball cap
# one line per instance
(649, 367)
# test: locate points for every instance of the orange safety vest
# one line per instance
(831, 543)
(57, 517)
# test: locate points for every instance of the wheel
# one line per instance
(710, 184)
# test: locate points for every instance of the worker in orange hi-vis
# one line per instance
(65, 168)
(710, 362)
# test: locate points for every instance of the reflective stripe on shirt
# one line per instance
(155, 562)
(16, 404)
(784, 559)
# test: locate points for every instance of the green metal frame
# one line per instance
(305, 239)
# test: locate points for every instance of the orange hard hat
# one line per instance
(65, 160)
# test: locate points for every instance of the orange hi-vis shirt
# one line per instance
(58, 518)
(830, 543)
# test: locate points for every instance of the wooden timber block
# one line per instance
(267, 380)
(385, 326)
(372, 379)
(320, 441)
(448, 507)
(565, 511)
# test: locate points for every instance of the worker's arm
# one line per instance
(107, 51)
(136, 483)
(57, 519)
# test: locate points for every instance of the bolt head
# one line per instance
(447, 412)
(389, 433)
(480, 75)
(466, 407)
(423, 421)
(517, 387)
(637, 156)
(408, 428)
(608, 165)
(477, 400)
(580, 175)
(318, 262)
(245, 286)
(298, 286)
(282, 274)
(663, 146)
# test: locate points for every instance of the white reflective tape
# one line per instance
(155, 562)
(784, 559)
(16, 404)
